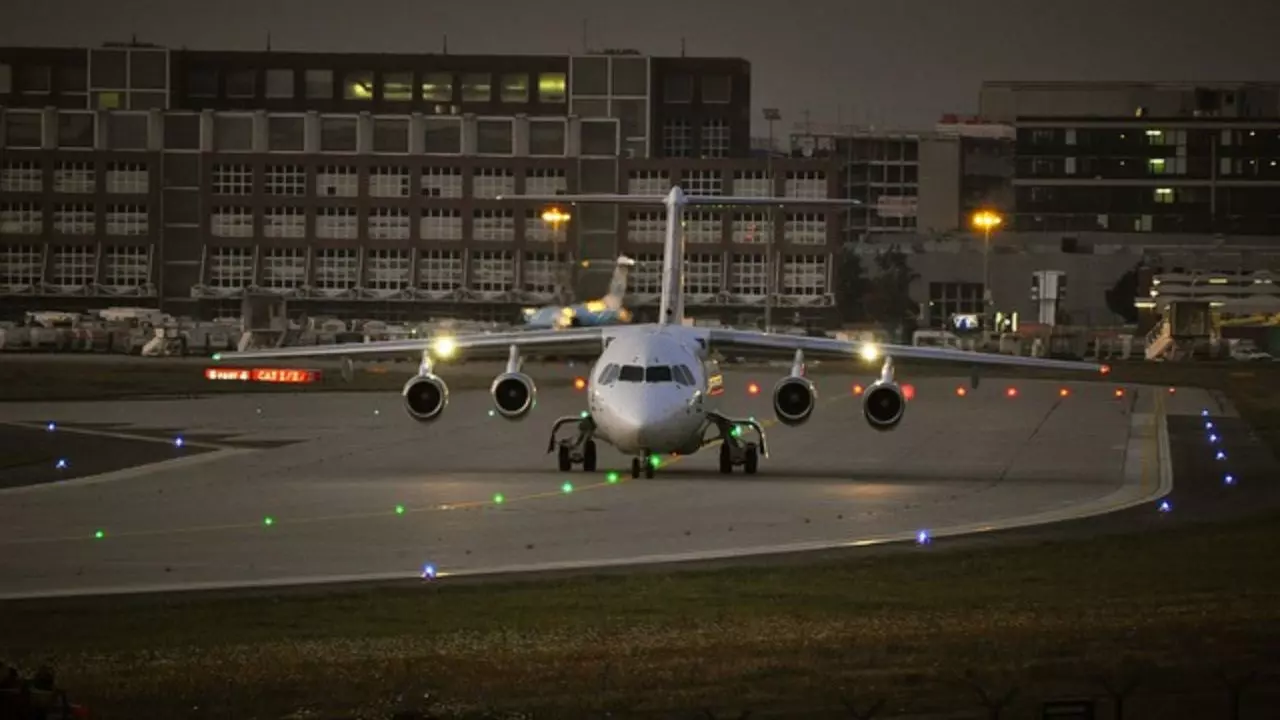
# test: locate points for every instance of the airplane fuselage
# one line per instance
(651, 389)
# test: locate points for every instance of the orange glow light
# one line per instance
(1172, 390)
(579, 383)
(857, 389)
(1011, 392)
(290, 376)
(1064, 392)
(754, 389)
(909, 392)
(1106, 369)
(961, 391)
(1119, 392)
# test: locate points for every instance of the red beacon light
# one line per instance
(857, 389)
(961, 391)
(909, 392)
(1011, 392)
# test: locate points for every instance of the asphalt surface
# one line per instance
(280, 489)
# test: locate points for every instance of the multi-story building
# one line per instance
(1147, 158)
(365, 185)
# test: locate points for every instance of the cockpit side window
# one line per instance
(683, 375)
(608, 375)
(631, 373)
(657, 374)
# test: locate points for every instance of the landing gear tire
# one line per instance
(589, 456)
(566, 461)
(726, 459)
(635, 468)
(751, 460)
(648, 468)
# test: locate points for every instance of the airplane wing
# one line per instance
(443, 346)
(752, 343)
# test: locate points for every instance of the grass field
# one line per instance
(797, 637)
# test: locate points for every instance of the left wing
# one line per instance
(443, 346)
(749, 342)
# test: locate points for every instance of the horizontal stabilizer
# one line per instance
(592, 198)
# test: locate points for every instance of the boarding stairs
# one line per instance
(1160, 345)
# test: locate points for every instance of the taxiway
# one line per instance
(290, 489)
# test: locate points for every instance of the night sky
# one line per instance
(890, 63)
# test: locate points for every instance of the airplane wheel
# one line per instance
(751, 461)
(566, 462)
(635, 468)
(726, 459)
(589, 456)
(648, 468)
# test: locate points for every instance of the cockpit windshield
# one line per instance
(651, 374)
(631, 373)
(657, 374)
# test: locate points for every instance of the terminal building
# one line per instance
(363, 185)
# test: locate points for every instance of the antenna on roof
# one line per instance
(446, 43)
(268, 41)
(586, 44)
(682, 49)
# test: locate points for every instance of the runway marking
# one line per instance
(115, 435)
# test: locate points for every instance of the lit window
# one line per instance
(437, 87)
(1164, 195)
(515, 88)
(357, 85)
(397, 86)
(388, 224)
(477, 87)
(551, 87)
(440, 271)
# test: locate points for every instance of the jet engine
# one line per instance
(513, 394)
(425, 397)
(793, 400)
(884, 404)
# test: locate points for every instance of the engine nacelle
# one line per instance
(884, 404)
(793, 400)
(425, 397)
(513, 394)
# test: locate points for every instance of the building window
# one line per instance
(397, 86)
(75, 219)
(231, 133)
(702, 274)
(702, 182)
(335, 223)
(279, 83)
(74, 267)
(286, 180)
(286, 133)
(21, 219)
(715, 139)
(648, 182)
(437, 87)
(337, 181)
(539, 273)
(545, 181)
(6, 79)
(388, 224)
(702, 226)
(128, 179)
(241, 84)
(806, 228)
(319, 84)
(752, 183)
(948, 299)
(231, 222)
(284, 222)
(440, 271)
(127, 220)
(477, 87)
(21, 177)
(74, 178)
(804, 276)
(677, 138)
(202, 82)
(336, 269)
(678, 88)
(338, 134)
(747, 276)
(536, 230)
(646, 276)
(1163, 196)
(492, 182)
(391, 135)
(126, 267)
(551, 87)
(493, 225)
(442, 136)
(546, 138)
(717, 89)
(646, 227)
(23, 129)
(231, 268)
(284, 268)
(495, 137)
(386, 270)
(442, 182)
(493, 271)
(76, 130)
(810, 184)
(357, 85)
(752, 227)
(515, 88)
(440, 224)
(21, 267)
(232, 179)
(389, 182)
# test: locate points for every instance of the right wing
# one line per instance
(588, 340)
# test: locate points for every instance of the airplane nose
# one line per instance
(644, 423)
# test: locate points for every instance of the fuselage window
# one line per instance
(631, 373)
(657, 374)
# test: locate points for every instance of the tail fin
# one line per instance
(618, 285)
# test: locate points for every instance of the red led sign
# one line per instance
(291, 376)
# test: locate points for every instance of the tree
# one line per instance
(1121, 296)
(888, 298)
(851, 284)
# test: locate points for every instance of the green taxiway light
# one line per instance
(268, 520)
(567, 487)
(611, 477)
(99, 535)
(399, 509)
(498, 499)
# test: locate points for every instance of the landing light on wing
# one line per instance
(445, 347)
(869, 352)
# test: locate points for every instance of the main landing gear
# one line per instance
(579, 450)
(645, 464)
(734, 451)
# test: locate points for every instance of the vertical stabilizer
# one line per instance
(671, 310)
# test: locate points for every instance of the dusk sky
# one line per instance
(898, 63)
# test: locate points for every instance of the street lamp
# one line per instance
(771, 115)
(556, 218)
(986, 221)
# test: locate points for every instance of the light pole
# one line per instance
(986, 221)
(556, 218)
(771, 115)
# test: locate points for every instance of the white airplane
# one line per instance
(652, 390)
